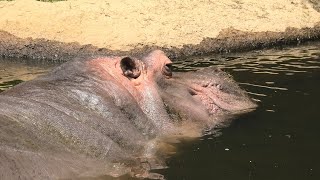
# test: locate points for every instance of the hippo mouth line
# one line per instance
(217, 101)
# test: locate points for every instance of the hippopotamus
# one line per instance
(96, 116)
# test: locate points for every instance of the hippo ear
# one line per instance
(130, 67)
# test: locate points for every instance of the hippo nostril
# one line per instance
(192, 93)
(205, 85)
(212, 84)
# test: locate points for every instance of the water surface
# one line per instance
(277, 141)
(15, 71)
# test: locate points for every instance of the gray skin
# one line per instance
(91, 117)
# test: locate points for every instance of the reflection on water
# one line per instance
(272, 63)
(277, 141)
(13, 72)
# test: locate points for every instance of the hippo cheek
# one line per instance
(185, 107)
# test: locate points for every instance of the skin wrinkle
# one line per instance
(69, 135)
(154, 73)
(207, 99)
(212, 95)
(106, 113)
(155, 110)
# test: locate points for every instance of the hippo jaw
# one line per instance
(217, 101)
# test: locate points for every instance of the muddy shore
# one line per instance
(232, 41)
(39, 30)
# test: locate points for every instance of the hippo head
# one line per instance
(121, 110)
(205, 97)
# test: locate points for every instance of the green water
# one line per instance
(277, 141)
(15, 71)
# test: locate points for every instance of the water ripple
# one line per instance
(262, 86)
(274, 61)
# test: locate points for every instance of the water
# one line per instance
(277, 141)
(15, 71)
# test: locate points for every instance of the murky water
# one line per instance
(15, 71)
(277, 141)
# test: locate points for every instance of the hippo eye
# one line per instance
(167, 70)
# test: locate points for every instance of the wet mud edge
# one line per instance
(229, 40)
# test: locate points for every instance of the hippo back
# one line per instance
(66, 118)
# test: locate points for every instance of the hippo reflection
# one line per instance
(106, 115)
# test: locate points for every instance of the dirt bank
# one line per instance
(62, 30)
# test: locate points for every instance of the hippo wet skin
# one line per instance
(106, 116)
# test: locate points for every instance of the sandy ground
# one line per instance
(126, 24)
